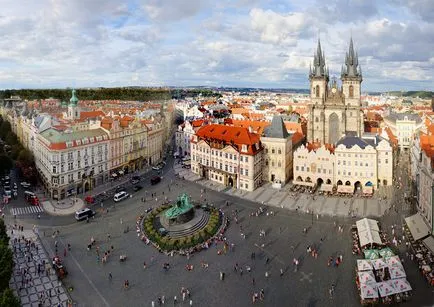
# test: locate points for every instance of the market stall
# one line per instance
(368, 293)
(366, 277)
(379, 264)
(386, 291)
(396, 273)
(364, 265)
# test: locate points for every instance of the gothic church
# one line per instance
(334, 111)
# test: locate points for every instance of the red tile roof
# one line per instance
(229, 135)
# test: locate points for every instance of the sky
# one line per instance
(241, 43)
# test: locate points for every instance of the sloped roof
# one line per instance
(350, 141)
(277, 129)
(230, 135)
(401, 116)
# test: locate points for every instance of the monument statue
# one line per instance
(182, 206)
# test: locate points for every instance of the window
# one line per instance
(387, 161)
(221, 165)
(246, 159)
(246, 185)
(230, 156)
(279, 151)
(246, 172)
(351, 91)
(296, 168)
(272, 150)
(355, 163)
(54, 169)
(307, 169)
(279, 164)
(344, 162)
(317, 91)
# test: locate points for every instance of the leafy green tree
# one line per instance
(3, 234)
(6, 265)
(25, 157)
(6, 164)
(8, 299)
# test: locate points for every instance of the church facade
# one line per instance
(334, 111)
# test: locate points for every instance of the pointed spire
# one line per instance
(351, 62)
(318, 62)
(351, 51)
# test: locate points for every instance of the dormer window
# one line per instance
(244, 148)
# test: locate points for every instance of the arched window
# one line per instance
(316, 119)
(317, 91)
(351, 90)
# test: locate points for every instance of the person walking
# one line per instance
(110, 276)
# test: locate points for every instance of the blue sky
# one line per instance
(252, 43)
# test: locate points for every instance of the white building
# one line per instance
(232, 156)
(72, 162)
(404, 126)
(354, 164)
(184, 135)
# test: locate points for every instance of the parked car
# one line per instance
(155, 180)
(119, 189)
(156, 167)
(137, 188)
(120, 196)
(135, 181)
(84, 214)
(25, 184)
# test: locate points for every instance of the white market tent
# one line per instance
(368, 291)
(386, 288)
(429, 243)
(394, 262)
(401, 285)
(366, 277)
(379, 264)
(397, 273)
(365, 224)
(417, 226)
(369, 232)
(364, 265)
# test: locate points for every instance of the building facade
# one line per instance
(231, 156)
(404, 126)
(334, 111)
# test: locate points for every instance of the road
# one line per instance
(284, 240)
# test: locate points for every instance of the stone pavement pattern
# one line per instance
(284, 198)
(46, 283)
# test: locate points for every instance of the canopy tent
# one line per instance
(349, 189)
(305, 183)
(393, 262)
(379, 264)
(366, 277)
(364, 265)
(396, 273)
(326, 187)
(429, 243)
(368, 189)
(386, 252)
(368, 291)
(371, 254)
(365, 224)
(417, 226)
(401, 285)
(369, 237)
(386, 288)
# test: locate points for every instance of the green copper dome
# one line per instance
(74, 99)
(63, 104)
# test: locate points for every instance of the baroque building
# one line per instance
(334, 110)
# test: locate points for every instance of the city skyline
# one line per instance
(243, 43)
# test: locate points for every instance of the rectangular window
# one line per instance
(246, 159)
(246, 172)
(246, 185)
(387, 161)
(296, 168)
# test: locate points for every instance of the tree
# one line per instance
(4, 238)
(8, 299)
(6, 164)
(25, 157)
(6, 265)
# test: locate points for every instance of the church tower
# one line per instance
(319, 77)
(73, 108)
(351, 77)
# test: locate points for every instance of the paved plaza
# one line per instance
(304, 202)
(284, 241)
(34, 287)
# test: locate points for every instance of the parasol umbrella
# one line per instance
(379, 264)
(396, 273)
(386, 252)
(368, 291)
(401, 285)
(386, 288)
(364, 265)
(393, 261)
(366, 277)
(371, 254)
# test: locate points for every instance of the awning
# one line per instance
(345, 189)
(396, 273)
(417, 226)
(369, 237)
(386, 288)
(429, 243)
(401, 285)
(364, 265)
(368, 291)
(366, 277)
(394, 262)
(379, 264)
(365, 224)
(326, 187)
(368, 190)
(305, 183)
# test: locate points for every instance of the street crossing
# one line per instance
(26, 210)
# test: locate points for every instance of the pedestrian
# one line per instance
(253, 281)
(110, 276)
(121, 221)
(281, 272)
(191, 302)
(153, 304)
(175, 300)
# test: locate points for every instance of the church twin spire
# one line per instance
(350, 69)
(319, 67)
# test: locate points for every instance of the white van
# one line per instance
(84, 214)
(120, 196)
